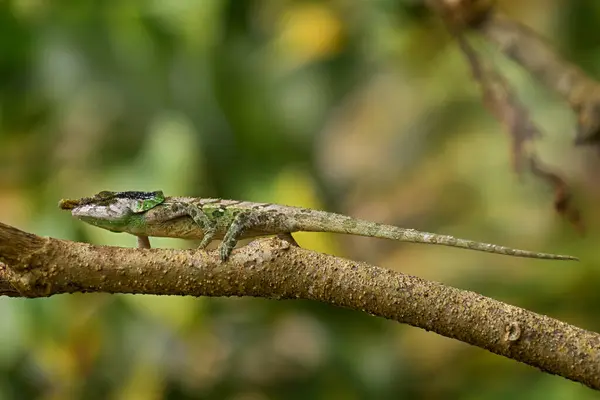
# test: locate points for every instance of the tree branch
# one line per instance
(535, 54)
(526, 47)
(274, 268)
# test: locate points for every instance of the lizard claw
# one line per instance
(224, 252)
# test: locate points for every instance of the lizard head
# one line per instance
(114, 211)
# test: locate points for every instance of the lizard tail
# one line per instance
(327, 222)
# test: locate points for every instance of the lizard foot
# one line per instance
(225, 251)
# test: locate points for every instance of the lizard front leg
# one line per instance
(143, 242)
(208, 226)
(177, 210)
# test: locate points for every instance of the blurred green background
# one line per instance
(361, 107)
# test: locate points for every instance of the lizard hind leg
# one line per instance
(287, 236)
(235, 230)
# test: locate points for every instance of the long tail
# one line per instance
(321, 221)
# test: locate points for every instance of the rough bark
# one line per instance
(275, 268)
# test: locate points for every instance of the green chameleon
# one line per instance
(145, 214)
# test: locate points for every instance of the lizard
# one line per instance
(146, 214)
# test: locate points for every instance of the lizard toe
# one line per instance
(224, 253)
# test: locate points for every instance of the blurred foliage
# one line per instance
(360, 107)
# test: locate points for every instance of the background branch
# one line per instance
(524, 46)
(273, 268)
(535, 54)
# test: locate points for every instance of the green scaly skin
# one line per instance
(145, 214)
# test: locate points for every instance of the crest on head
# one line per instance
(137, 202)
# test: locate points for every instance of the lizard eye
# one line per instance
(159, 196)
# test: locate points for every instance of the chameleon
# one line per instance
(146, 214)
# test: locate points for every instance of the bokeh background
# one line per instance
(361, 107)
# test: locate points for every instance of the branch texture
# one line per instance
(274, 268)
